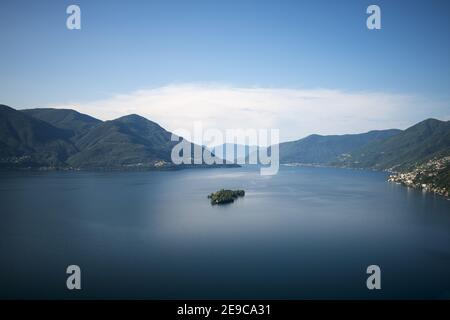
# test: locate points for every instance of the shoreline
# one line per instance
(406, 179)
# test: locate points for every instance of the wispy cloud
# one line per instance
(296, 112)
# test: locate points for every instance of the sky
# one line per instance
(300, 66)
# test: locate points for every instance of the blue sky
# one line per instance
(126, 46)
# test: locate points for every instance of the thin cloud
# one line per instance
(296, 112)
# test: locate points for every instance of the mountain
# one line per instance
(64, 138)
(424, 141)
(74, 122)
(317, 149)
(27, 141)
(127, 141)
(240, 152)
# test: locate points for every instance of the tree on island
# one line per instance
(225, 196)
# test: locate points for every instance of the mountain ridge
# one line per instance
(27, 140)
(67, 119)
(71, 139)
(417, 144)
(322, 149)
(67, 138)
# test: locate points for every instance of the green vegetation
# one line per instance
(26, 141)
(66, 139)
(73, 122)
(438, 179)
(225, 196)
(394, 150)
(317, 149)
(429, 139)
(419, 155)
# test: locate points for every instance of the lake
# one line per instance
(303, 233)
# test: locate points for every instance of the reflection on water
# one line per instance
(304, 233)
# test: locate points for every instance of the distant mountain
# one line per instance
(424, 141)
(27, 141)
(317, 149)
(74, 122)
(233, 152)
(64, 138)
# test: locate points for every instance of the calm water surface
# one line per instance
(304, 233)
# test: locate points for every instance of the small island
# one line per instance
(225, 196)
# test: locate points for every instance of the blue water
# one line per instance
(304, 233)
